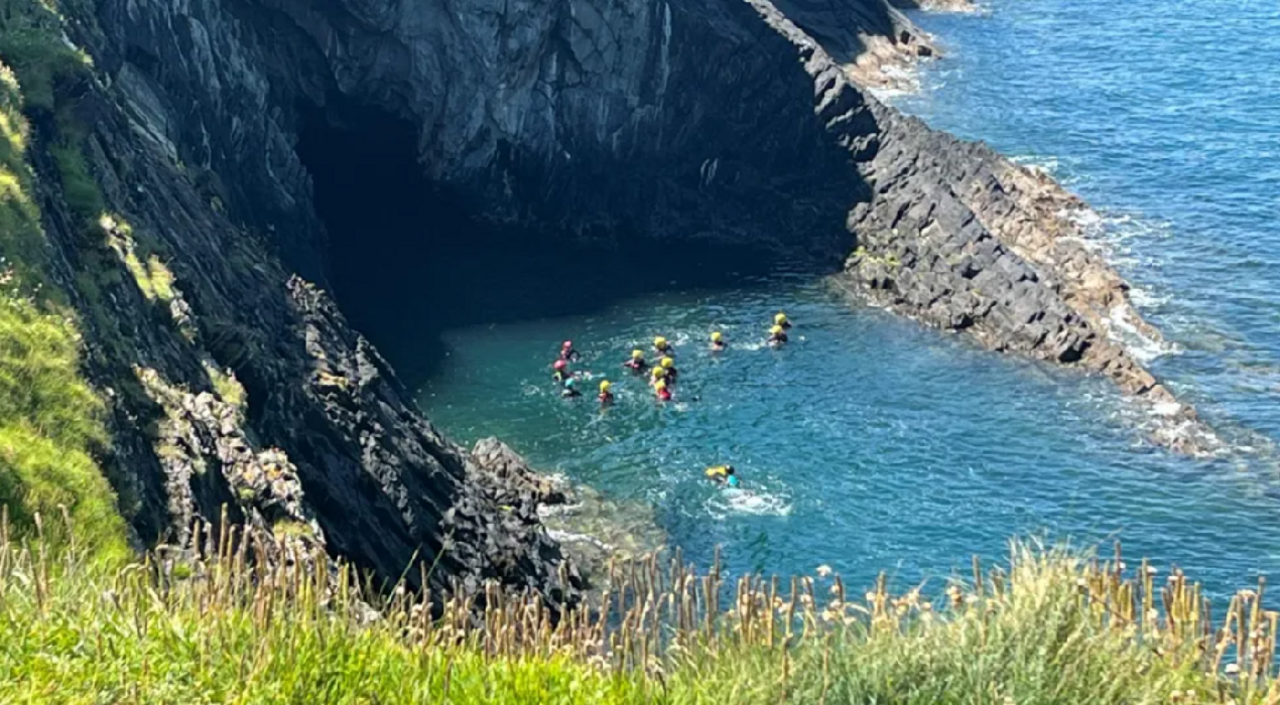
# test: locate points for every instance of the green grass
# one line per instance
(228, 628)
(49, 416)
(79, 190)
(31, 44)
(153, 277)
(226, 385)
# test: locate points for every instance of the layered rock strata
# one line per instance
(726, 121)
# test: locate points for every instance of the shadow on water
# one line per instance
(407, 261)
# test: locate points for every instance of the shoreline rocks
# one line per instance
(591, 529)
(962, 238)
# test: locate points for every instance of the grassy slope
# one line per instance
(49, 416)
(1052, 631)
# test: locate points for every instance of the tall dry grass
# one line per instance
(258, 620)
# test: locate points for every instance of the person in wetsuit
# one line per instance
(560, 371)
(777, 336)
(660, 390)
(781, 320)
(717, 342)
(637, 362)
(570, 389)
(670, 366)
(661, 345)
(723, 475)
(567, 353)
(658, 374)
(606, 396)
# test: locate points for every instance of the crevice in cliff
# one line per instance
(406, 259)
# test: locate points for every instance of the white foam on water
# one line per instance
(729, 501)
(1142, 347)
(1144, 299)
(1166, 408)
(1038, 162)
(569, 537)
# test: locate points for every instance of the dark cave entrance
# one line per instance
(406, 261)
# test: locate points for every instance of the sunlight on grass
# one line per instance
(263, 619)
(50, 418)
(226, 385)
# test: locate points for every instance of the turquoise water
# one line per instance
(872, 443)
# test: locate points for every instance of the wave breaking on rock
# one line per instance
(962, 238)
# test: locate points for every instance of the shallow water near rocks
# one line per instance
(870, 443)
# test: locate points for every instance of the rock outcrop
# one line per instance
(957, 236)
(591, 529)
(722, 120)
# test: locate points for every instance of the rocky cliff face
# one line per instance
(726, 121)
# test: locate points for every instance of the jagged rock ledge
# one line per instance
(591, 529)
(960, 237)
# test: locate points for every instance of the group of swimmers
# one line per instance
(663, 375)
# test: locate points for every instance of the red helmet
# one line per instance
(561, 364)
(567, 344)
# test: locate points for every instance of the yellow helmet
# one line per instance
(659, 372)
(775, 330)
(780, 318)
(637, 354)
(659, 342)
(605, 385)
(715, 337)
(662, 384)
(668, 363)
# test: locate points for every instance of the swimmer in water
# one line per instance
(606, 396)
(561, 371)
(723, 475)
(717, 342)
(781, 320)
(659, 374)
(660, 390)
(777, 336)
(670, 366)
(570, 389)
(663, 347)
(567, 353)
(637, 362)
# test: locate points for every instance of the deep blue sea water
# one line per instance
(870, 443)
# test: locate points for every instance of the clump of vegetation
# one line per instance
(236, 627)
(48, 421)
(153, 277)
(31, 44)
(49, 416)
(225, 384)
